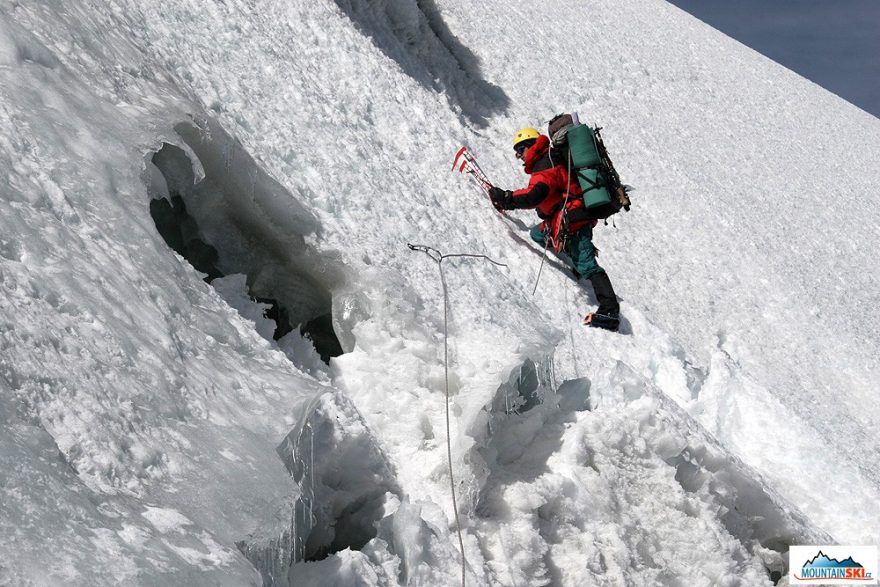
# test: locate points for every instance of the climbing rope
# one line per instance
(541, 266)
(438, 257)
(563, 227)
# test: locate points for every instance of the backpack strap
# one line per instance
(594, 185)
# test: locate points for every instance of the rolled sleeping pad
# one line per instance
(593, 196)
(582, 144)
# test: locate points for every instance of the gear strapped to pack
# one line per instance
(584, 152)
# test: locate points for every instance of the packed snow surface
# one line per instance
(221, 364)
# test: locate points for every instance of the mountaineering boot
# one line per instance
(607, 316)
(595, 320)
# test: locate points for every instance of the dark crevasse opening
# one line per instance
(320, 332)
(180, 232)
(215, 207)
(346, 488)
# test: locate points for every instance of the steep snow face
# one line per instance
(128, 455)
(155, 432)
(749, 243)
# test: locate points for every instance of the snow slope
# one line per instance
(154, 433)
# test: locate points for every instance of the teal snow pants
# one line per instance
(580, 248)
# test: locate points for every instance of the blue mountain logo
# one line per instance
(823, 567)
(822, 560)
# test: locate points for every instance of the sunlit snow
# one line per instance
(221, 364)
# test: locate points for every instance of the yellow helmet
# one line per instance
(525, 134)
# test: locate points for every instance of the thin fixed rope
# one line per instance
(541, 266)
(438, 257)
(561, 211)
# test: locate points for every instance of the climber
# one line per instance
(550, 190)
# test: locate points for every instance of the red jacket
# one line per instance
(547, 182)
(549, 185)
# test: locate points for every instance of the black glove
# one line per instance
(501, 199)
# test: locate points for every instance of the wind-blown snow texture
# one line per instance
(153, 432)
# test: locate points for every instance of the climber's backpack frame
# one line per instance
(586, 156)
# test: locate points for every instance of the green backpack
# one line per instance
(580, 149)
